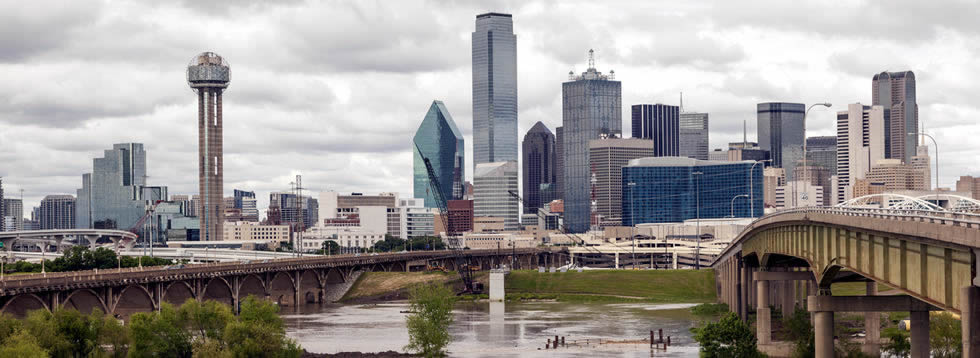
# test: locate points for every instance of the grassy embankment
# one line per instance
(671, 286)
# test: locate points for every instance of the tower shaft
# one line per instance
(211, 167)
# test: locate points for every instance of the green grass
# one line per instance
(854, 288)
(663, 286)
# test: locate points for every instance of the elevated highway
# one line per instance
(789, 259)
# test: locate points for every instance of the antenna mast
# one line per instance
(682, 102)
(591, 58)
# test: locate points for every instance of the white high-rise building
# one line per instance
(860, 144)
(492, 184)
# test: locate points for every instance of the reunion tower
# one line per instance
(208, 75)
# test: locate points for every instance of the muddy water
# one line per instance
(499, 329)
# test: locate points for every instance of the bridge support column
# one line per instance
(872, 326)
(823, 334)
(763, 315)
(745, 291)
(789, 298)
(970, 320)
(919, 333)
(617, 261)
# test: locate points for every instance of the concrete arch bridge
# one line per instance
(790, 259)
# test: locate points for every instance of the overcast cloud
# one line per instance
(334, 90)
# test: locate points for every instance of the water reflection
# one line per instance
(499, 329)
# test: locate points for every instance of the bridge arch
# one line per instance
(251, 285)
(84, 300)
(178, 292)
(21, 304)
(310, 287)
(334, 276)
(281, 288)
(132, 299)
(218, 289)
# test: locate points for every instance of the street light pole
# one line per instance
(752, 187)
(937, 155)
(805, 169)
(733, 202)
(697, 251)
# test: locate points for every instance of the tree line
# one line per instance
(194, 329)
(79, 258)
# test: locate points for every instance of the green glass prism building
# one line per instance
(439, 140)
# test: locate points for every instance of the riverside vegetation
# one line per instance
(194, 329)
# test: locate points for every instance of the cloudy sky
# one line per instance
(334, 90)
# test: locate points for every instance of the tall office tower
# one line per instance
(895, 92)
(246, 202)
(111, 195)
(13, 214)
(58, 212)
(591, 107)
(559, 192)
(693, 135)
(660, 123)
(607, 157)
(969, 184)
(494, 89)
(291, 209)
(822, 152)
(439, 140)
(921, 163)
(860, 143)
(208, 75)
(492, 184)
(780, 131)
(539, 167)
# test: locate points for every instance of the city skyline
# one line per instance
(299, 120)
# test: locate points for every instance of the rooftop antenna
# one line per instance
(591, 59)
(745, 135)
(682, 101)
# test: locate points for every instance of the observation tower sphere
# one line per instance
(208, 70)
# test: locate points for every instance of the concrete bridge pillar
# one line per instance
(970, 320)
(919, 333)
(823, 334)
(872, 326)
(763, 319)
(617, 261)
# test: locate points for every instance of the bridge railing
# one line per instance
(218, 269)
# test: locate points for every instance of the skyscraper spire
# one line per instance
(591, 59)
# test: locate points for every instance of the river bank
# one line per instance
(600, 286)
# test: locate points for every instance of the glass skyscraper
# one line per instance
(591, 107)
(492, 184)
(660, 123)
(674, 189)
(694, 135)
(895, 91)
(539, 167)
(111, 196)
(780, 130)
(494, 89)
(439, 140)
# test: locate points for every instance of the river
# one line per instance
(498, 329)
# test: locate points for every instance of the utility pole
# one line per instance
(697, 251)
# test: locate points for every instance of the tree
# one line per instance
(729, 337)
(159, 334)
(898, 342)
(945, 336)
(259, 332)
(22, 345)
(205, 319)
(329, 247)
(428, 324)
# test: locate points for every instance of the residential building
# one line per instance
(693, 135)
(780, 132)
(440, 141)
(492, 185)
(607, 157)
(591, 107)
(895, 93)
(674, 189)
(860, 143)
(538, 167)
(969, 184)
(659, 123)
(58, 212)
(114, 195)
(13, 214)
(494, 50)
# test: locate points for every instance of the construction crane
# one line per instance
(462, 264)
(563, 229)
